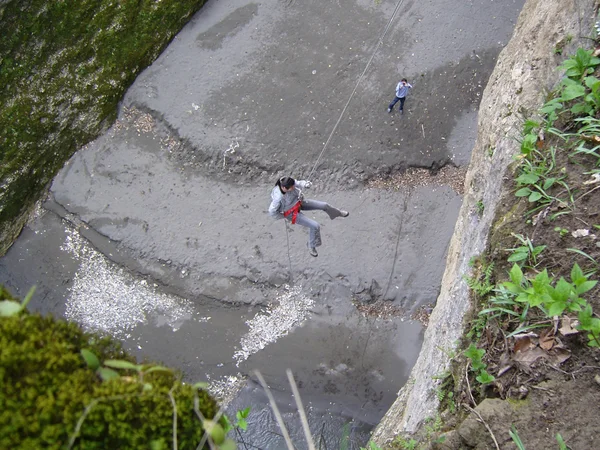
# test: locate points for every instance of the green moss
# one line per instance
(64, 66)
(47, 386)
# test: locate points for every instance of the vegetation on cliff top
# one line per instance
(64, 66)
(63, 388)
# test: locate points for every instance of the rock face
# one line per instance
(524, 74)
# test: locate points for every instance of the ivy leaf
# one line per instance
(91, 360)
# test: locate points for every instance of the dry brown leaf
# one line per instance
(522, 343)
(504, 364)
(559, 355)
(547, 342)
(568, 326)
(529, 356)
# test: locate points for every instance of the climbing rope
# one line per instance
(379, 42)
(356, 87)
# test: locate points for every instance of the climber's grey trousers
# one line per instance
(314, 235)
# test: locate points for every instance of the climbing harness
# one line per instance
(294, 210)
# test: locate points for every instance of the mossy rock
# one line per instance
(50, 398)
(64, 67)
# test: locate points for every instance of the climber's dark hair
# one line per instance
(286, 182)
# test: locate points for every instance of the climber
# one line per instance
(287, 201)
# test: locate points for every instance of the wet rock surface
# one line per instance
(174, 197)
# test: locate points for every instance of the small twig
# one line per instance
(237, 429)
(541, 389)
(275, 409)
(170, 394)
(588, 192)
(469, 385)
(484, 423)
(423, 130)
(86, 411)
(300, 407)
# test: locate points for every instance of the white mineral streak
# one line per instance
(104, 297)
(265, 328)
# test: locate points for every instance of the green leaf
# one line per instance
(591, 82)
(556, 308)
(147, 387)
(228, 444)
(572, 90)
(28, 297)
(585, 286)
(120, 364)
(581, 107)
(534, 197)
(527, 178)
(548, 183)
(562, 291)
(9, 308)
(200, 385)
(158, 444)
(474, 353)
(518, 256)
(157, 369)
(512, 288)
(484, 377)
(243, 413)
(585, 318)
(577, 274)
(242, 424)
(523, 192)
(91, 360)
(107, 374)
(516, 274)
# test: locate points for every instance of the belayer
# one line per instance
(287, 201)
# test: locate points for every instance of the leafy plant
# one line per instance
(10, 308)
(406, 444)
(515, 437)
(477, 364)
(561, 442)
(480, 207)
(538, 175)
(526, 251)
(580, 64)
(591, 324)
(562, 231)
(481, 282)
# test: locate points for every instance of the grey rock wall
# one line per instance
(524, 74)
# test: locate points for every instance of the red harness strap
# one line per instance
(294, 210)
